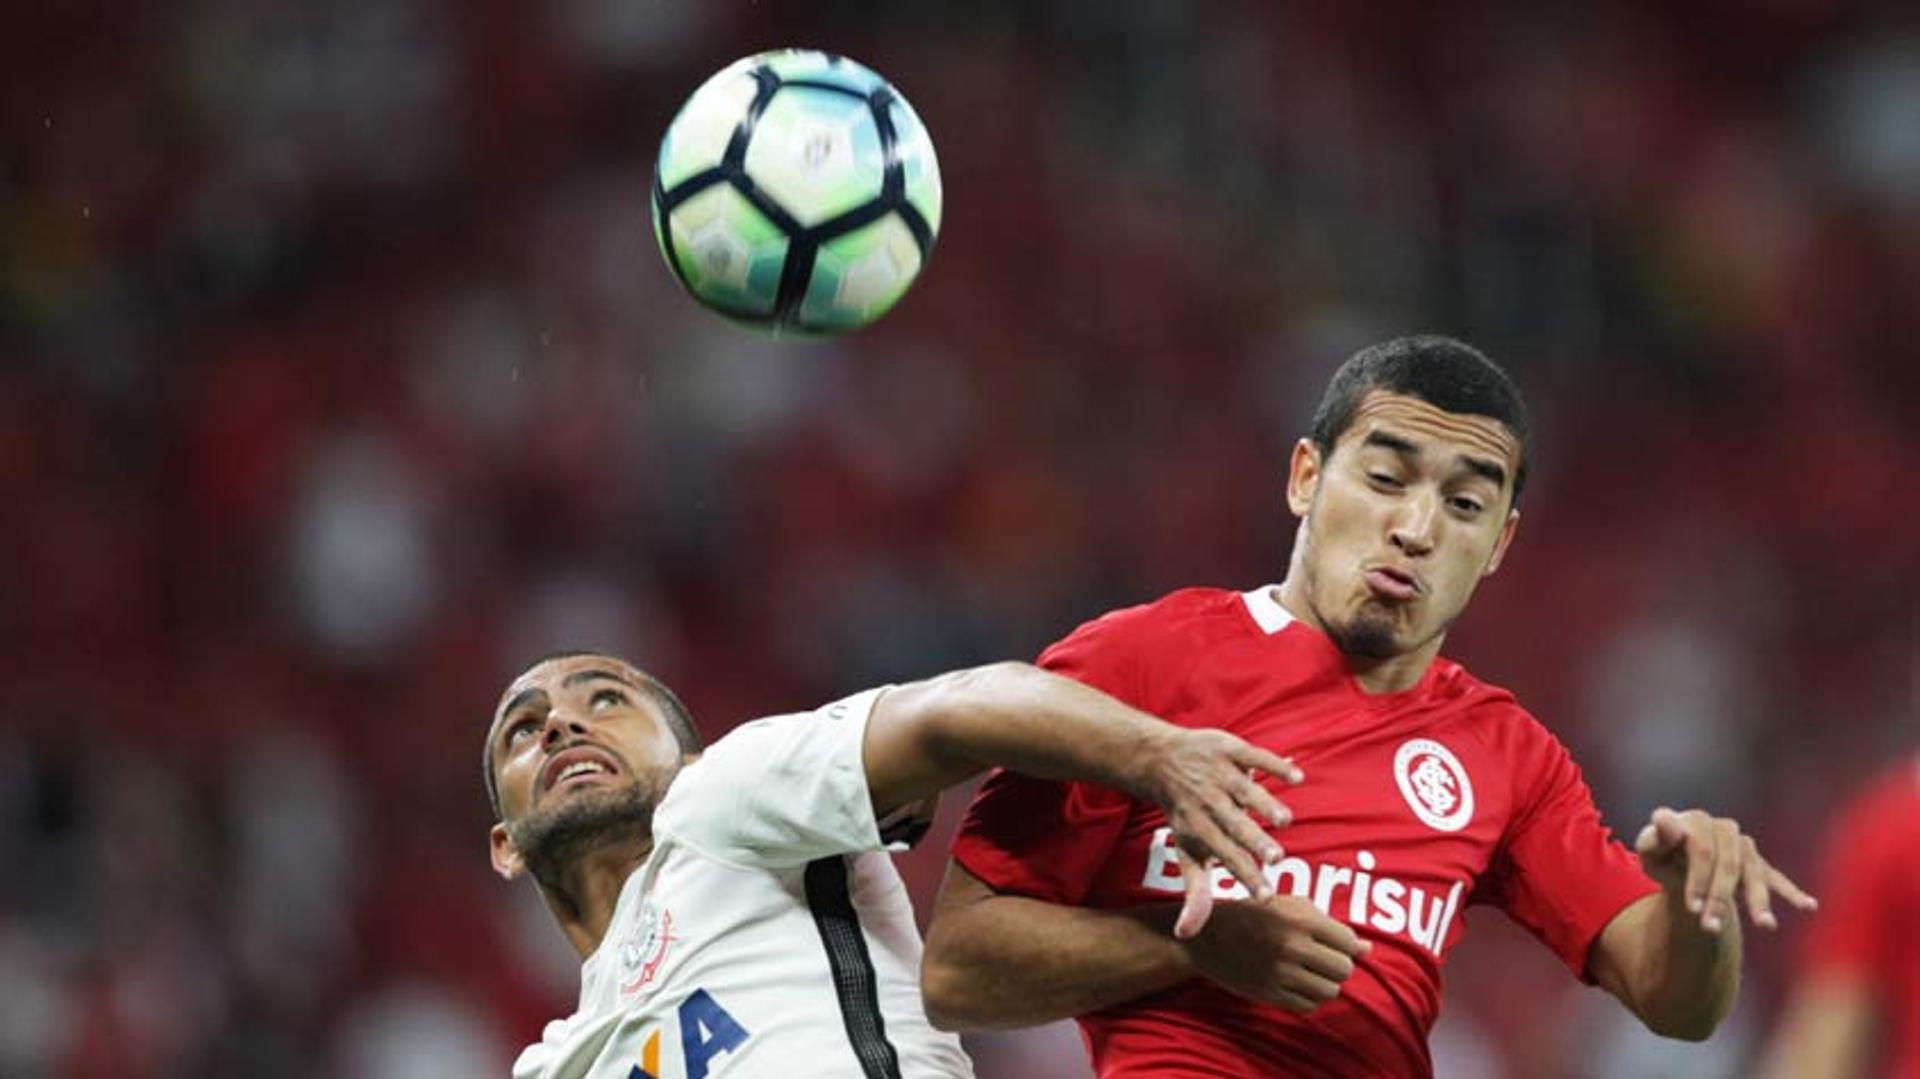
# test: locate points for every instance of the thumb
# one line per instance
(1664, 832)
(1199, 901)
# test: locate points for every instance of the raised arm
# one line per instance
(926, 736)
(1673, 958)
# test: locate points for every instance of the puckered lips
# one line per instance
(1394, 583)
(579, 764)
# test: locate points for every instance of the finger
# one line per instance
(1288, 1000)
(1785, 887)
(1753, 884)
(1698, 851)
(1198, 905)
(1326, 961)
(1257, 799)
(1310, 985)
(1670, 828)
(1240, 846)
(1250, 844)
(1724, 839)
(1660, 838)
(1339, 936)
(1266, 760)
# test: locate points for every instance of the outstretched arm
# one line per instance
(926, 736)
(995, 961)
(1673, 958)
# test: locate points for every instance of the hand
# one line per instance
(1203, 779)
(1704, 859)
(1280, 951)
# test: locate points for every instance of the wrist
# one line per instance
(1136, 770)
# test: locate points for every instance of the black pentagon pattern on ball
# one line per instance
(803, 243)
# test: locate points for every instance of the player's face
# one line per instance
(578, 745)
(1405, 516)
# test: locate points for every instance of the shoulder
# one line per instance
(1170, 618)
(1496, 719)
(1133, 652)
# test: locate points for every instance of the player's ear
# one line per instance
(1500, 545)
(506, 857)
(1303, 476)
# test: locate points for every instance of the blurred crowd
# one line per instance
(339, 377)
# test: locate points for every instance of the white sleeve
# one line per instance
(781, 791)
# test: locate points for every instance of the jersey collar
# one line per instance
(1266, 610)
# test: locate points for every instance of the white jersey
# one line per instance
(767, 934)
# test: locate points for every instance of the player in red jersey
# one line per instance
(1427, 791)
(1860, 987)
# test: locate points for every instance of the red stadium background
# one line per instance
(339, 376)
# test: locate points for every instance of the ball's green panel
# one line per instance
(857, 277)
(730, 254)
(697, 138)
(913, 148)
(816, 153)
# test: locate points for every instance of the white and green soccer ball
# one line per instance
(797, 190)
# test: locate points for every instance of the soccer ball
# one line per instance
(796, 189)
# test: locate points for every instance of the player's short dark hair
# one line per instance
(1444, 372)
(679, 720)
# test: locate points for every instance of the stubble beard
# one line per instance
(553, 844)
(1370, 634)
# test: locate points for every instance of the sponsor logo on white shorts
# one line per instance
(1434, 783)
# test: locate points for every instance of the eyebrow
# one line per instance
(1479, 466)
(592, 674)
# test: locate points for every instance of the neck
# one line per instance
(583, 900)
(1392, 674)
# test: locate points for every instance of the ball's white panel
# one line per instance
(816, 153)
(697, 138)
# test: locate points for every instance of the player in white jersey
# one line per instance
(734, 910)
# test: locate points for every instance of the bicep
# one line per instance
(901, 752)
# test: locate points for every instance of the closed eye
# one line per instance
(1384, 479)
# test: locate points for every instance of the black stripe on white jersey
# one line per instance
(854, 981)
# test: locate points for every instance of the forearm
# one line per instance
(937, 732)
(1010, 961)
(1685, 979)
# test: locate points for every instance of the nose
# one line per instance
(560, 726)
(1414, 522)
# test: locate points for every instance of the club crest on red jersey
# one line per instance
(1434, 783)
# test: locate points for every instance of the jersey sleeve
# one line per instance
(1559, 872)
(1850, 935)
(780, 791)
(1049, 839)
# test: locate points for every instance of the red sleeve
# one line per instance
(1559, 872)
(1851, 932)
(1049, 839)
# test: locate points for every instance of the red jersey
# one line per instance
(1416, 806)
(1869, 923)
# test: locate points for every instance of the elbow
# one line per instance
(943, 992)
(1695, 1027)
(1694, 1031)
